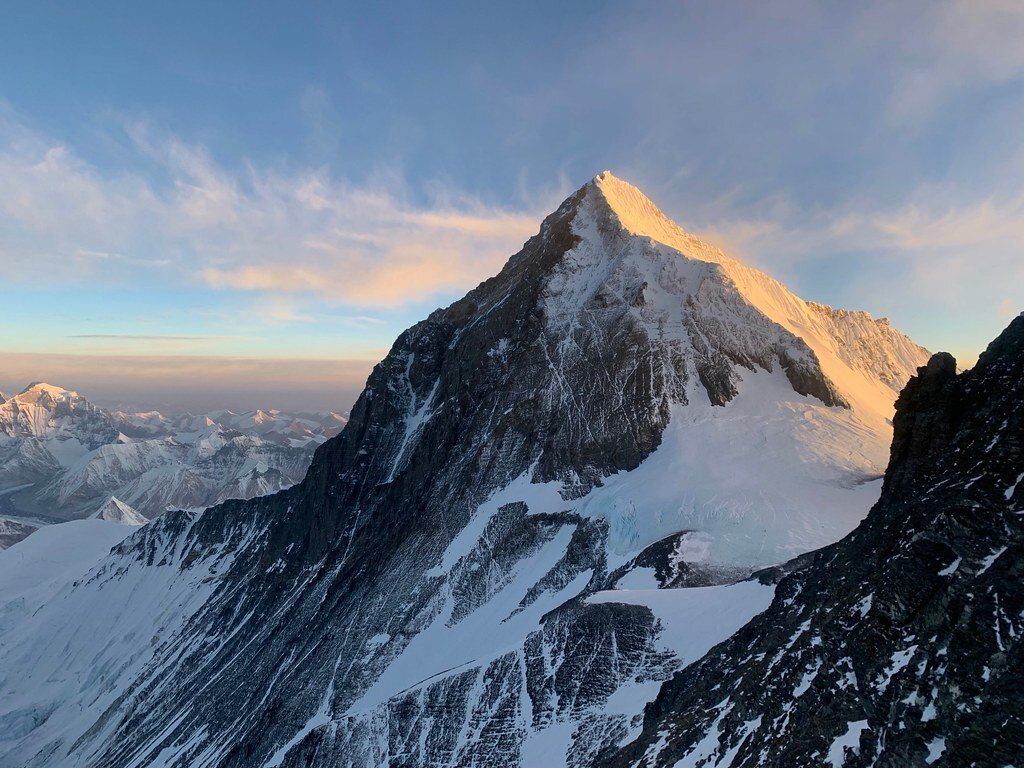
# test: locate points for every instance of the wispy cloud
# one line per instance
(963, 43)
(932, 234)
(377, 243)
(950, 267)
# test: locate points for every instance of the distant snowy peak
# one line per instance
(41, 392)
(45, 395)
(43, 410)
(117, 511)
(292, 429)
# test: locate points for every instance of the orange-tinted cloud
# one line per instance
(374, 243)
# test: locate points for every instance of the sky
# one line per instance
(209, 205)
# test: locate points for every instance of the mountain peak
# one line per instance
(116, 511)
(660, 267)
(634, 210)
(40, 389)
(637, 214)
(615, 405)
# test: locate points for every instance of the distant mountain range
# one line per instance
(61, 457)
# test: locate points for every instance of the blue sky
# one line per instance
(241, 183)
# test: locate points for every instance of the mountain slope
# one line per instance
(36, 569)
(901, 644)
(612, 409)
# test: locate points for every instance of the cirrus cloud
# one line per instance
(965, 44)
(372, 244)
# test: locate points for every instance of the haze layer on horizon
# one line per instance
(188, 383)
(190, 186)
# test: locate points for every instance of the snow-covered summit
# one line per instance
(40, 391)
(46, 395)
(44, 410)
(634, 210)
(865, 361)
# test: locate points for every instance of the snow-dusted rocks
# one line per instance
(622, 406)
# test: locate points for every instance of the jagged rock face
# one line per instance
(429, 594)
(902, 644)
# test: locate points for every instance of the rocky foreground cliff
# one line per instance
(901, 644)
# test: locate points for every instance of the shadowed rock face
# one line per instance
(564, 368)
(902, 644)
